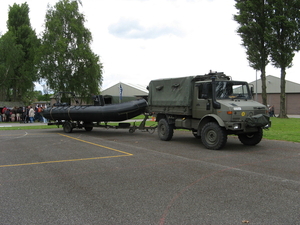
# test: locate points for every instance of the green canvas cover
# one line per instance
(171, 92)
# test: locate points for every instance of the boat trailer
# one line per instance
(68, 126)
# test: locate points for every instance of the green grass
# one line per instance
(140, 117)
(282, 129)
(28, 127)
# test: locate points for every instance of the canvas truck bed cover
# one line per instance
(171, 92)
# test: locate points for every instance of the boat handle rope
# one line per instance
(69, 113)
(51, 114)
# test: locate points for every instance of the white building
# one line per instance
(122, 92)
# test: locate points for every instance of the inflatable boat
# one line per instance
(96, 113)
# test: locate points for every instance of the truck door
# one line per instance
(202, 100)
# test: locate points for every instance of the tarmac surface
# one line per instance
(110, 176)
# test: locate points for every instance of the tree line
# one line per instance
(62, 56)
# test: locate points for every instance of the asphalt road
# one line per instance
(114, 177)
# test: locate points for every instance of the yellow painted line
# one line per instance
(74, 160)
(60, 161)
(77, 139)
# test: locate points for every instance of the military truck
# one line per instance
(212, 106)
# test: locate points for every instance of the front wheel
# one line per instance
(251, 139)
(165, 130)
(213, 136)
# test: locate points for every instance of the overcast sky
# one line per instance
(141, 40)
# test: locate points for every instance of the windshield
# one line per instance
(232, 90)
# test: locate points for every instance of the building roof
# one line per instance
(127, 90)
(11, 104)
(273, 85)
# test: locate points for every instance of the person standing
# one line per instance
(39, 112)
(31, 114)
(272, 111)
(19, 113)
(7, 114)
(44, 119)
(3, 114)
(13, 114)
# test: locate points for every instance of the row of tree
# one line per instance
(62, 56)
(270, 33)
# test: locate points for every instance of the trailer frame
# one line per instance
(69, 125)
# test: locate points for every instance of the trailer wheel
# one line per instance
(213, 136)
(88, 126)
(68, 127)
(251, 139)
(88, 129)
(165, 130)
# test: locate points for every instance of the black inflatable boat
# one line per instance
(96, 113)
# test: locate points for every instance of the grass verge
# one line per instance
(284, 130)
(24, 127)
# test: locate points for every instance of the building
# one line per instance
(122, 92)
(273, 94)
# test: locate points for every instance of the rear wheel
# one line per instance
(251, 139)
(165, 130)
(68, 127)
(213, 136)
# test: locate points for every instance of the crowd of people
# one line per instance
(27, 114)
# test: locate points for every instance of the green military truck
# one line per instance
(212, 106)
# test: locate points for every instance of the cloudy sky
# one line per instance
(141, 40)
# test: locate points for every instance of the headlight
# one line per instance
(268, 125)
(236, 126)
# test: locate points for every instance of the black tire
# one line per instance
(88, 129)
(165, 130)
(88, 126)
(251, 139)
(213, 136)
(68, 127)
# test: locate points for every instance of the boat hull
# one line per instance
(91, 113)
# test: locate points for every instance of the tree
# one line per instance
(24, 43)
(285, 40)
(11, 56)
(66, 59)
(254, 30)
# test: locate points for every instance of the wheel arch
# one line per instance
(210, 118)
(169, 119)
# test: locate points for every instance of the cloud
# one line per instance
(132, 29)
